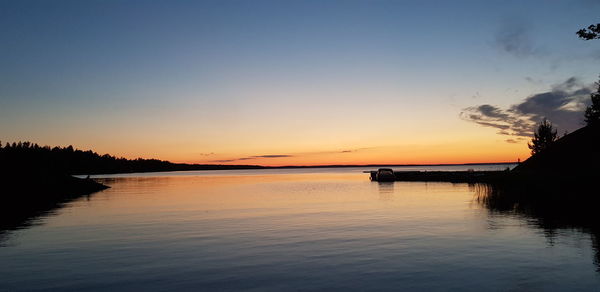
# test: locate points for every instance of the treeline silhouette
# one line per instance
(37, 180)
(31, 157)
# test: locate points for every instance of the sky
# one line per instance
(295, 82)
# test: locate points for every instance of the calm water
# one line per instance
(307, 229)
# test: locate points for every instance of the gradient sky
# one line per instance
(293, 82)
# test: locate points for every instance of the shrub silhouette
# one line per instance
(543, 137)
(592, 112)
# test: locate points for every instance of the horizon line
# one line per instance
(354, 165)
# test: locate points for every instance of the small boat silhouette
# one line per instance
(383, 174)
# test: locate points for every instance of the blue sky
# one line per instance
(179, 79)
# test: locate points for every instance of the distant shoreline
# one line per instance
(26, 157)
(387, 165)
(203, 167)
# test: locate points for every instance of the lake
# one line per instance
(292, 229)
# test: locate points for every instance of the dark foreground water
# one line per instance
(310, 229)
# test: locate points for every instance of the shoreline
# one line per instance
(29, 197)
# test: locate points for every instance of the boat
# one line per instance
(383, 174)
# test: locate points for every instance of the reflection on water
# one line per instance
(34, 216)
(555, 210)
(386, 190)
(299, 231)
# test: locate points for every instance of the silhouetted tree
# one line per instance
(27, 157)
(545, 135)
(590, 33)
(592, 112)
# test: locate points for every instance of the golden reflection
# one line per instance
(304, 199)
(386, 190)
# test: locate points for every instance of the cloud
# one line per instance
(348, 150)
(223, 160)
(533, 81)
(517, 140)
(353, 150)
(271, 156)
(492, 111)
(506, 121)
(343, 151)
(253, 157)
(515, 38)
(563, 105)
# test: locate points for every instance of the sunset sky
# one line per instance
(294, 82)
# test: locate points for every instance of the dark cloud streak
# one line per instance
(254, 157)
(563, 106)
(271, 156)
(268, 156)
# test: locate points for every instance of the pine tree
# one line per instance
(590, 33)
(592, 112)
(545, 135)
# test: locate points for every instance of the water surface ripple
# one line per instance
(290, 230)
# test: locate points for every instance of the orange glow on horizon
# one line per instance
(452, 142)
(450, 153)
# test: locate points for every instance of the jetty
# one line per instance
(468, 176)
